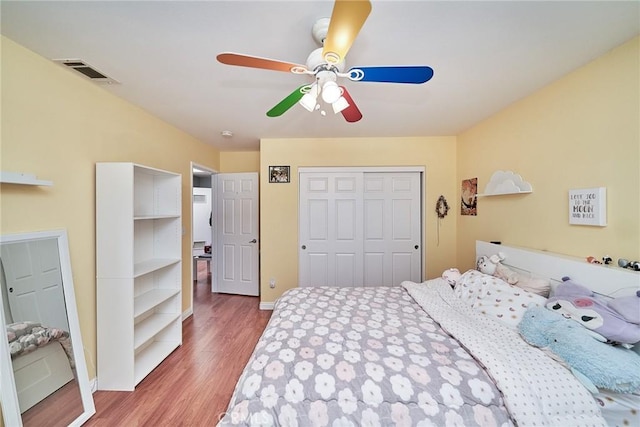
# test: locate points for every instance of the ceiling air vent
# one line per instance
(86, 70)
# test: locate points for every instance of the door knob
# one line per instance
(304, 246)
(416, 246)
(253, 241)
(10, 289)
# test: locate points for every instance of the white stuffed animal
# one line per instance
(492, 265)
(451, 275)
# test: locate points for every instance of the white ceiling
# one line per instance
(485, 56)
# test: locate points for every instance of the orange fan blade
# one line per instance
(229, 58)
(347, 19)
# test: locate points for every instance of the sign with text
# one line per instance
(588, 206)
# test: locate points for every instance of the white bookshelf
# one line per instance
(138, 266)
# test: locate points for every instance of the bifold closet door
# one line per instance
(359, 228)
(330, 252)
(392, 228)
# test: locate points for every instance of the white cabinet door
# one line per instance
(330, 229)
(360, 228)
(236, 251)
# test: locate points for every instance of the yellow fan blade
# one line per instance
(347, 19)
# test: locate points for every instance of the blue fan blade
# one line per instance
(399, 74)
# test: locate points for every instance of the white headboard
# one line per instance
(603, 279)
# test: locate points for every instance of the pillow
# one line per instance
(529, 282)
(496, 298)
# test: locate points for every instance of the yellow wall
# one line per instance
(581, 131)
(58, 125)
(279, 202)
(239, 161)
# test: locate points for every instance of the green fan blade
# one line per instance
(287, 103)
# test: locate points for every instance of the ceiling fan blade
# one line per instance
(287, 103)
(393, 74)
(241, 60)
(347, 19)
(351, 114)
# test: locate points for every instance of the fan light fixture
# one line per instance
(309, 99)
(335, 35)
(340, 105)
(331, 92)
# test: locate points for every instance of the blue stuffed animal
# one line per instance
(593, 362)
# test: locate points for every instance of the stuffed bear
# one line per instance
(451, 275)
(617, 319)
(493, 266)
(594, 363)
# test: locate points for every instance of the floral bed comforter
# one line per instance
(369, 356)
(25, 337)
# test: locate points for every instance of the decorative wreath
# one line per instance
(442, 207)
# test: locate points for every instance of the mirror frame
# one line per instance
(10, 407)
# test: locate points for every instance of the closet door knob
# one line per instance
(304, 247)
(253, 241)
(416, 246)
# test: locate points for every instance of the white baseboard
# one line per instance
(188, 312)
(93, 382)
(266, 305)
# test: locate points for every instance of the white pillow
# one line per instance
(495, 298)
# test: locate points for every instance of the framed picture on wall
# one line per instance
(588, 206)
(279, 174)
(468, 199)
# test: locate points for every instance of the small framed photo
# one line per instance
(278, 174)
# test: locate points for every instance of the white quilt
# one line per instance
(537, 390)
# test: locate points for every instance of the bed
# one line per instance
(416, 355)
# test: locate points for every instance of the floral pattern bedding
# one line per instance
(537, 389)
(25, 337)
(387, 356)
(361, 356)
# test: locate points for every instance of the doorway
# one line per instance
(234, 230)
(202, 207)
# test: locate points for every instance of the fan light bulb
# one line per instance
(309, 99)
(331, 92)
(340, 105)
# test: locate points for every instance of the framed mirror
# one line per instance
(43, 372)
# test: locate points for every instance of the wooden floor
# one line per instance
(192, 387)
(47, 412)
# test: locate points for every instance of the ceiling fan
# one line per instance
(327, 63)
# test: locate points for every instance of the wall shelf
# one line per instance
(506, 182)
(22, 179)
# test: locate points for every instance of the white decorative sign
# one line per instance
(588, 206)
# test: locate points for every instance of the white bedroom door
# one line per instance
(34, 282)
(236, 253)
(360, 228)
